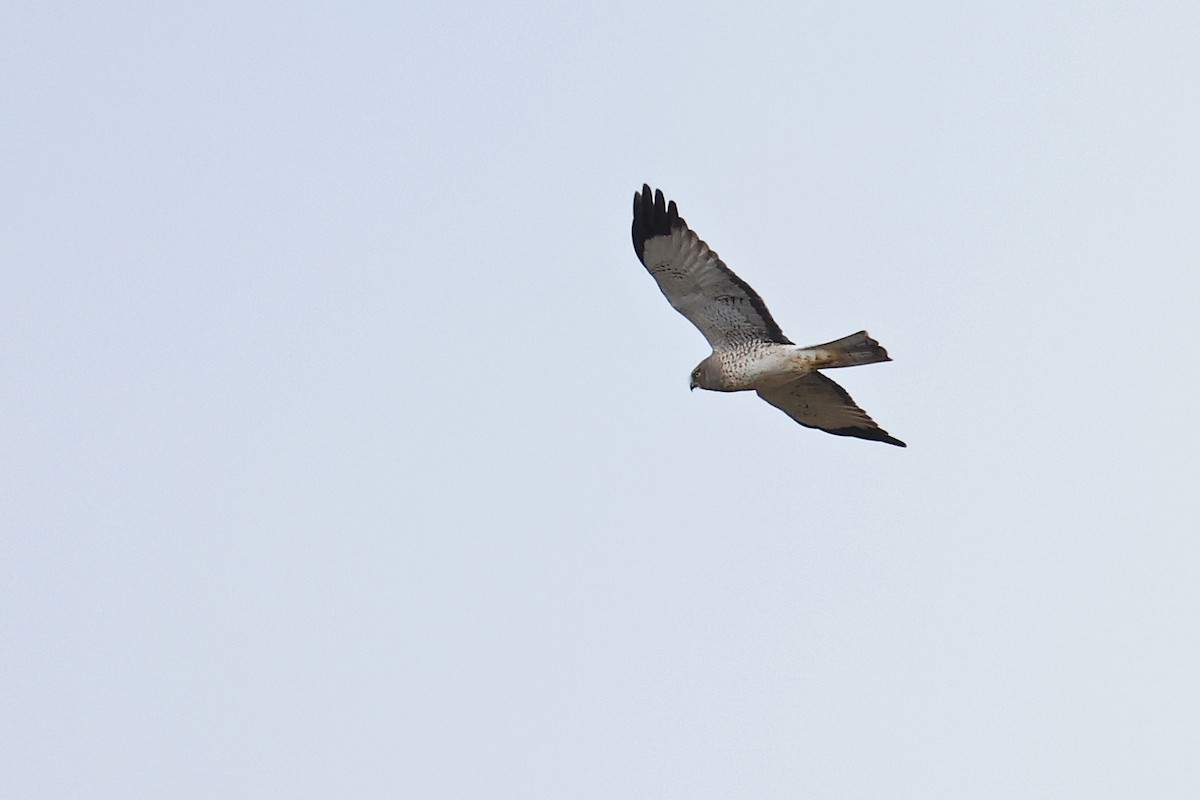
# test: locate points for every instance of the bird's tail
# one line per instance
(853, 350)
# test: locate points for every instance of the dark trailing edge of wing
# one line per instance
(654, 216)
(874, 434)
(870, 432)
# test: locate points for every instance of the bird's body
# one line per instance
(755, 365)
(758, 365)
(750, 352)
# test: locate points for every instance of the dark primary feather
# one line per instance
(652, 216)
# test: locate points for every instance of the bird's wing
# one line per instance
(695, 281)
(818, 402)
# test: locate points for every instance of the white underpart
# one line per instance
(763, 365)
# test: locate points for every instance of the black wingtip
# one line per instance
(652, 216)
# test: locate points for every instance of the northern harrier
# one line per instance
(749, 349)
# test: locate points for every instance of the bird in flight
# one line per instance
(749, 351)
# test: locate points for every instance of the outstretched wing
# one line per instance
(725, 309)
(817, 402)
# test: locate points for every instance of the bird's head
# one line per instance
(703, 375)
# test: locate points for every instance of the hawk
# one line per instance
(749, 351)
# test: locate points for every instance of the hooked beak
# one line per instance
(691, 385)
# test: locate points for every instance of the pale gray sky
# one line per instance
(349, 453)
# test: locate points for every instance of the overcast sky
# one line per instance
(348, 449)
